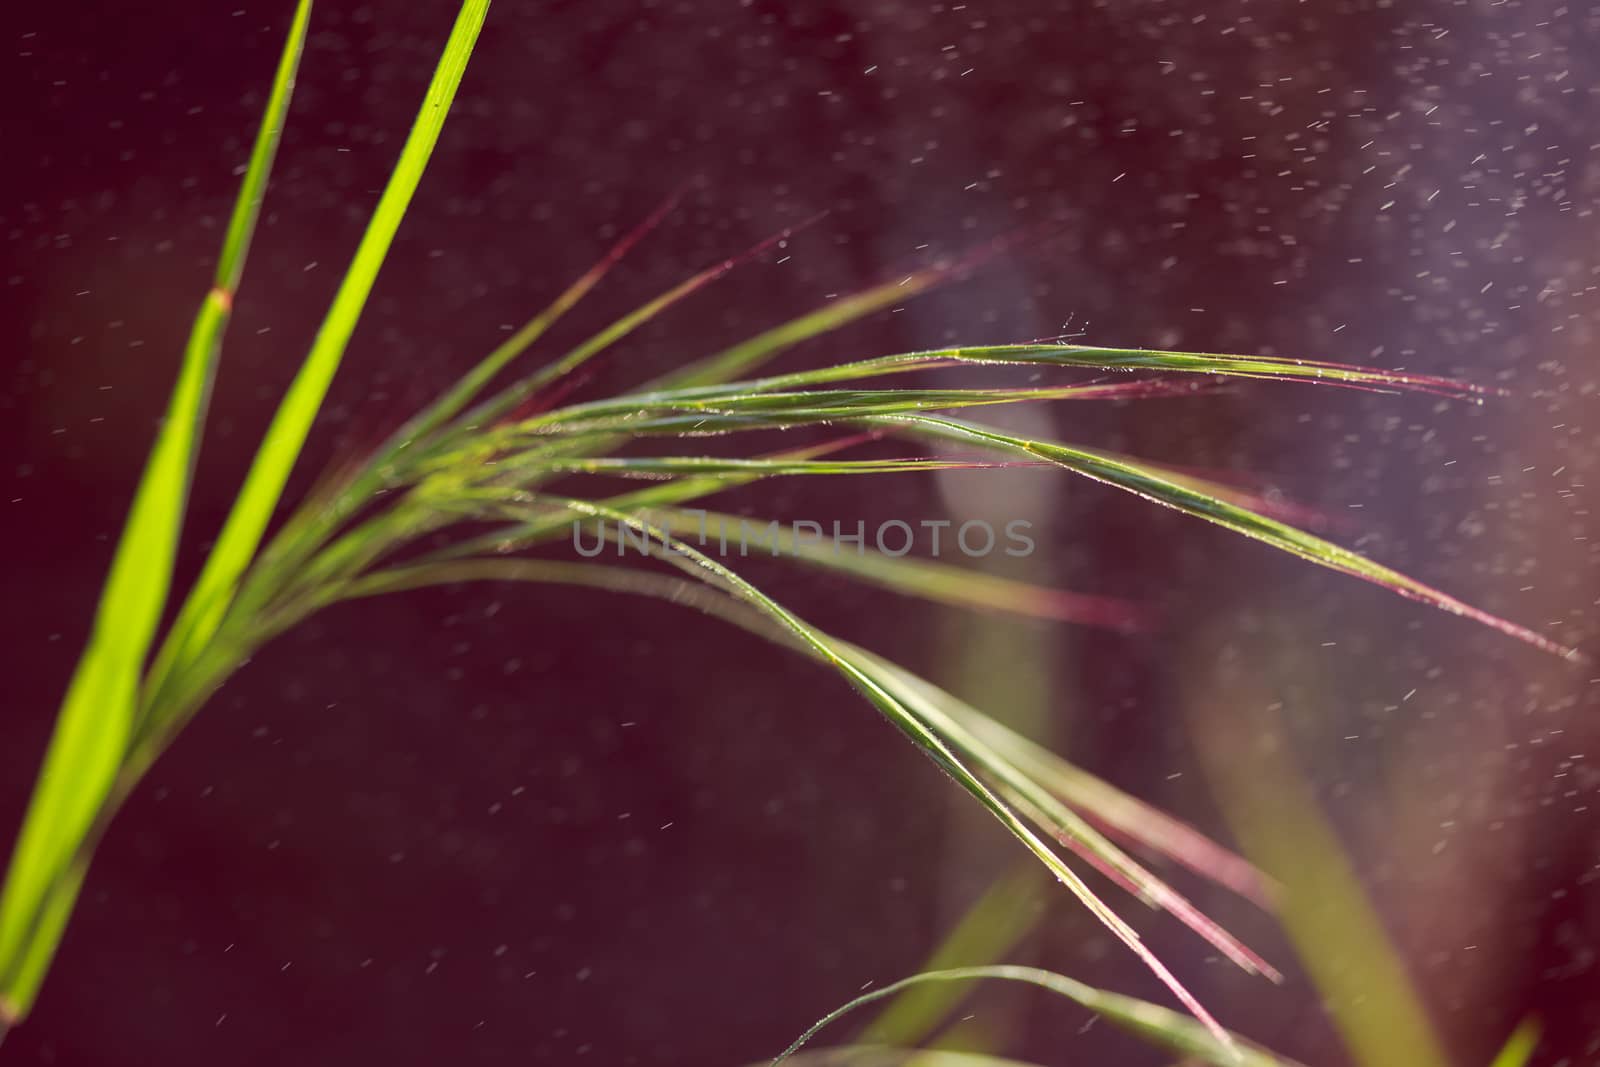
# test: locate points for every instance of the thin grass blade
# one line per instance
(870, 1055)
(947, 717)
(702, 411)
(675, 466)
(507, 400)
(322, 513)
(98, 713)
(460, 394)
(748, 355)
(995, 923)
(1272, 368)
(1520, 1046)
(1152, 485)
(1111, 808)
(1153, 1023)
(263, 485)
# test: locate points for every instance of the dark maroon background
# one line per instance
(529, 826)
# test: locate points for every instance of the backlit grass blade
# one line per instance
(946, 716)
(778, 403)
(507, 400)
(699, 383)
(1153, 1023)
(263, 485)
(990, 929)
(474, 381)
(676, 412)
(505, 404)
(97, 715)
(748, 355)
(1274, 368)
(1148, 483)
(1109, 807)
(253, 188)
(1234, 492)
(28, 970)
(322, 513)
(455, 463)
(1520, 1046)
(869, 1055)
(1324, 907)
(1271, 368)
(674, 466)
(406, 577)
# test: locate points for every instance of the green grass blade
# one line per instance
(1362, 979)
(673, 466)
(247, 207)
(1153, 485)
(349, 491)
(703, 411)
(28, 973)
(703, 383)
(1272, 368)
(97, 715)
(474, 381)
(263, 485)
(1111, 807)
(947, 716)
(508, 400)
(412, 436)
(1153, 1023)
(993, 926)
(868, 1055)
(750, 354)
(100, 707)
(1519, 1047)
(704, 404)
(557, 572)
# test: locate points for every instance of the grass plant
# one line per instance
(493, 451)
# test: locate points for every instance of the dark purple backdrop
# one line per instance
(497, 825)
